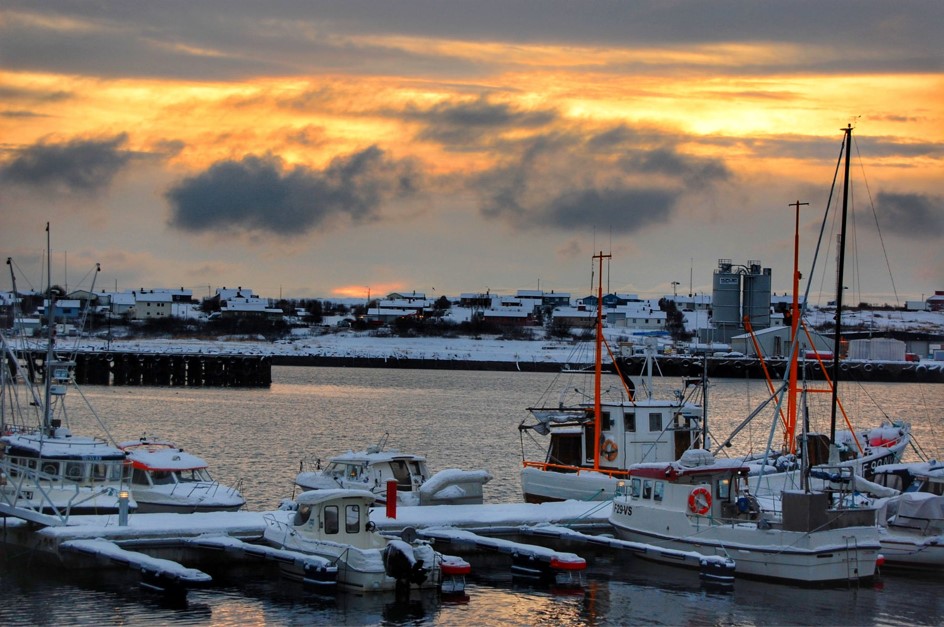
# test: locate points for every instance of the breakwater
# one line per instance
(126, 368)
(751, 368)
(161, 369)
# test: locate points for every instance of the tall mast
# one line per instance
(794, 336)
(837, 343)
(598, 363)
(51, 332)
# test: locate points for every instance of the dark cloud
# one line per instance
(231, 38)
(81, 165)
(457, 124)
(912, 215)
(695, 171)
(625, 210)
(611, 179)
(21, 114)
(262, 194)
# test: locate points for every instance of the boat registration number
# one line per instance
(625, 510)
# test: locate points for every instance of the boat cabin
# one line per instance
(79, 461)
(925, 477)
(339, 516)
(375, 469)
(697, 483)
(630, 432)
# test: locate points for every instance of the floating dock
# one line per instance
(166, 549)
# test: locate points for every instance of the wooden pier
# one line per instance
(163, 369)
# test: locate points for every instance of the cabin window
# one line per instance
(162, 477)
(724, 489)
(605, 422)
(331, 522)
(590, 434)
(889, 480)
(401, 473)
(50, 468)
(629, 423)
(635, 488)
(352, 518)
(116, 471)
(564, 450)
(139, 477)
(647, 489)
(99, 472)
(658, 490)
(302, 515)
(655, 422)
(194, 475)
(75, 471)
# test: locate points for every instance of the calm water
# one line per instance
(457, 419)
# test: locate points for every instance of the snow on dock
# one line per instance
(319, 572)
(528, 560)
(713, 568)
(156, 573)
(498, 518)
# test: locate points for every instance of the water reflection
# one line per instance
(457, 419)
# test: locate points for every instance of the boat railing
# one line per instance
(273, 522)
(612, 472)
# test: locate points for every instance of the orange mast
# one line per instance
(794, 337)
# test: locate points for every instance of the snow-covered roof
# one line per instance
(315, 497)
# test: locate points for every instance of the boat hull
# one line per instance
(920, 553)
(542, 486)
(822, 557)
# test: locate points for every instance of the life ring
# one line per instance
(609, 450)
(699, 501)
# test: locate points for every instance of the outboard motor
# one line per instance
(402, 565)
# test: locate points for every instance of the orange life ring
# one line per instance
(609, 450)
(699, 501)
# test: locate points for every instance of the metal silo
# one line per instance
(726, 295)
(756, 289)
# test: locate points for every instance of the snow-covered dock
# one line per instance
(160, 546)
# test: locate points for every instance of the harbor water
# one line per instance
(257, 438)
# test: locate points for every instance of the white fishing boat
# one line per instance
(335, 524)
(47, 472)
(703, 505)
(594, 437)
(373, 468)
(167, 479)
(913, 521)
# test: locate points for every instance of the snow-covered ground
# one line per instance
(332, 341)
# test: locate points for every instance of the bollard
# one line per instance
(392, 499)
(123, 508)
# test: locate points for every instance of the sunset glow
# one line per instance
(380, 151)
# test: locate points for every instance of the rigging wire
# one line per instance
(881, 239)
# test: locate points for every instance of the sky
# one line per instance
(316, 149)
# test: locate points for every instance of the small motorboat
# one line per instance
(373, 468)
(167, 479)
(335, 524)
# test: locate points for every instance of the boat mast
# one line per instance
(794, 335)
(51, 332)
(598, 363)
(839, 281)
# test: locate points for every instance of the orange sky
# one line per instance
(319, 150)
